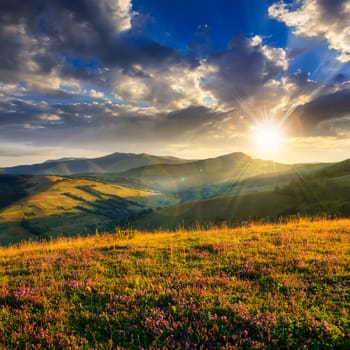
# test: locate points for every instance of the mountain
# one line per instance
(231, 188)
(113, 163)
(65, 159)
(336, 169)
(325, 190)
(229, 169)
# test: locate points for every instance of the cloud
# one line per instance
(26, 153)
(321, 19)
(69, 49)
(50, 44)
(243, 69)
(104, 124)
(8, 88)
(96, 94)
(330, 107)
(9, 150)
(299, 88)
(80, 73)
(167, 88)
(49, 117)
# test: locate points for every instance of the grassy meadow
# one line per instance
(272, 286)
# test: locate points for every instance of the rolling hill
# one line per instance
(43, 206)
(230, 188)
(323, 192)
(116, 162)
(230, 167)
(235, 173)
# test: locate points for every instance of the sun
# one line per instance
(268, 136)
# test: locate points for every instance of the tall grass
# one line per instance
(271, 286)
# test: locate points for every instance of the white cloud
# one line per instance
(96, 94)
(166, 89)
(49, 117)
(117, 12)
(329, 19)
(9, 88)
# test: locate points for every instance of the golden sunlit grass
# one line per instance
(254, 286)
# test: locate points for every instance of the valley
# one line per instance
(229, 189)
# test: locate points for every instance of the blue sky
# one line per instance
(182, 23)
(185, 78)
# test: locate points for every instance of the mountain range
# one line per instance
(79, 196)
(115, 162)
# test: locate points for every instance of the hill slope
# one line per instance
(53, 205)
(234, 166)
(325, 191)
(230, 188)
(214, 176)
(115, 162)
(254, 287)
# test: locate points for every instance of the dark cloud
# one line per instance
(340, 78)
(105, 123)
(329, 107)
(300, 79)
(38, 36)
(58, 56)
(332, 8)
(193, 120)
(300, 84)
(243, 69)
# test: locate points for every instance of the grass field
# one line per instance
(282, 286)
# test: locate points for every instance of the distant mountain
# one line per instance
(63, 159)
(231, 169)
(113, 163)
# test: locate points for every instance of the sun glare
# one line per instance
(268, 136)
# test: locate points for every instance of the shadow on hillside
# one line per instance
(16, 187)
(102, 215)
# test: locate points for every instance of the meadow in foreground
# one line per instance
(282, 286)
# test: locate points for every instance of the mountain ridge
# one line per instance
(76, 165)
(114, 162)
(232, 187)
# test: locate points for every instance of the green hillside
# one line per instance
(233, 174)
(317, 193)
(231, 210)
(12, 188)
(16, 187)
(232, 188)
(336, 169)
(248, 184)
(52, 205)
(231, 167)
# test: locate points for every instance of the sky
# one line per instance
(188, 78)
